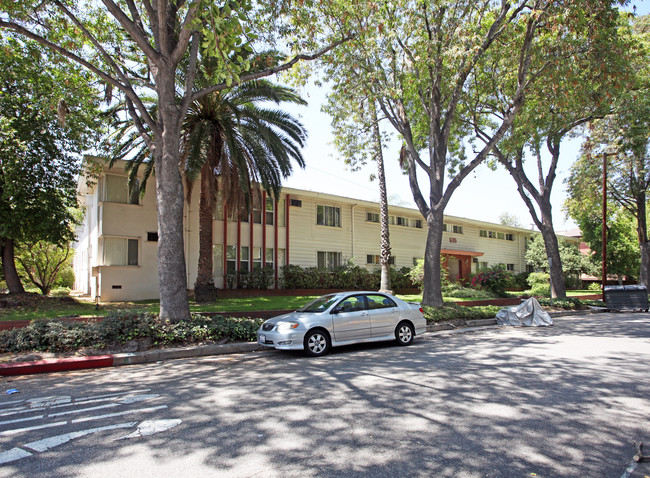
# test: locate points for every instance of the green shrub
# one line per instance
(568, 303)
(450, 312)
(123, 326)
(493, 279)
(348, 276)
(455, 289)
(595, 286)
(541, 290)
(519, 281)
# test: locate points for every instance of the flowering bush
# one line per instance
(494, 279)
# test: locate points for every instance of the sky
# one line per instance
(484, 195)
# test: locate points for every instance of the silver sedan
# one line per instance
(343, 318)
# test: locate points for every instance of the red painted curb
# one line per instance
(56, 365)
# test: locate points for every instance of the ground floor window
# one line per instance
(510, 267)
(231, 259)
(120, 251)
(217, 260)
(328, 260)
(376, 259)
(269, 259)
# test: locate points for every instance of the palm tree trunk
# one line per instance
(383, 208)
(204, 290)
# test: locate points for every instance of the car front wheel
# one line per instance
(404, 333)
(317, 343)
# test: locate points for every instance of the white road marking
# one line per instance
(51, 442)
(18, 420)
(49, 401)
(136, 398)
(150, 427)
(108, 395)
(12, 402)
(28, 429)
(82, 410)
(117, 414)
(13, 455)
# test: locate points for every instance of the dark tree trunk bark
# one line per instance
(12, 279)
(644, 245)
(432, 284)
(204, 290)
(170, 200)
(558, 287)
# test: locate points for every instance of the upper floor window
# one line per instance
(117, 190)
(457, 229)
(328, 216)
(510, 237)
(372, 217)
(270, 211)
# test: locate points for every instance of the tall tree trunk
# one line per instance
(170, 200)
(12, 279)
(644, 245)
(204, 290)
(383, 209)
(558, 287)
(432, 283)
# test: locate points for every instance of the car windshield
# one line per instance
(319, 305)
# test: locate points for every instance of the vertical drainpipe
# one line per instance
(262, 252)
(239, 245)
(251, 225)
(352, 223)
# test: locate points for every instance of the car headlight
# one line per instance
(282, 326)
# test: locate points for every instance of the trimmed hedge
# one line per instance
(122, 326)
(343, 277)
(451, 312)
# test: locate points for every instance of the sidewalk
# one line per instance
(158, 355)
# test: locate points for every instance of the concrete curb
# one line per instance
(159, 355)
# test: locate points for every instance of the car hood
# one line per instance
(301, 316)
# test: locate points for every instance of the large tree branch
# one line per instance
(128, 91)
(269, 71)
(134, 30)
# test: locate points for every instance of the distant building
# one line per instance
(116, 248)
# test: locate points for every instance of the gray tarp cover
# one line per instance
(529, 313)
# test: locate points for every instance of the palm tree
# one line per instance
(231, 141)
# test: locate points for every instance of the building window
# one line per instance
(257, 208)
(510, 237)
(501, 235)
(217, 260)
(117, 190)
(231, 259)
(376, 259)
(482, 266)
(244, 259)
(120, 251)
(444, 227)
(257, 258)
(269, 258)
(281, 213)
(416, 223)
(457, 229)
(372, 217)
(152, 236)
(270, 211)
(328, 216)
(510, 267)
(483, 233)
(217, 214)
(402, 221)
(492, 234)
(328, 260)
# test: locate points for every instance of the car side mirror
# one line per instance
(336, 310)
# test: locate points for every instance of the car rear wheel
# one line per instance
(404, 333)
(317, 343)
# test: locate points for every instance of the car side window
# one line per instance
(380, 302)
(351, 304)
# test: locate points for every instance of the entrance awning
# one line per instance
(452, 252)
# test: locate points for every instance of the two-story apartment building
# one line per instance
(116, 248)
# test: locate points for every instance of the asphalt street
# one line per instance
(561, 401)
